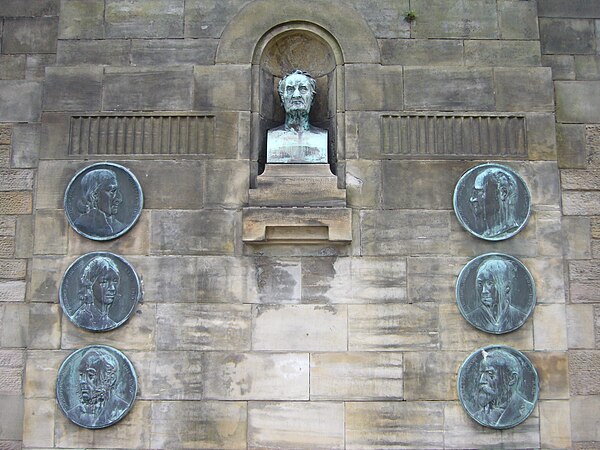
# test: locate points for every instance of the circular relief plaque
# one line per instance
(96, 386)
(492, 202)
(498, 386)
(495, 293)
(99, 291)
(103, 201)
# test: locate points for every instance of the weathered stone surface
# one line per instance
(227, 183)
(460, 431)
(299, 327)
(218, 425)
(160, 19)
(456, 334)
(563, 66)
(15, 202)
(148, 89)
(584, 280)
(553, 371)
(222, 87)
(30, 35)
(46, 273)
(571, 146)
(584, 373)
(584, 180)
(587, 67)
(19, 8)
(356, 376)
(256, 376)
(550, 327)
(88, 51)
(6, 134)
(131, 432)
(25, 145)
(7, 246)
(431, 375)
(353, 280)
(12, 358)
(555, 424)
(54, 240)
(549, 233)
(203, 327)
(139, 333)
(16, 179)
(8, 225)
(4, 156)
(502, 53)
(541, 136)
(173, 51)
(459, 89)
(575, 8)
(44, 326)
(456, 19)
(374, 87)
(81, 19)
(363, 135)
(581, 203)
(24, 238)
(12, 67)
(577, 233)
(40, 373)
(277, 280)
(580, 326)
(393, 327)
(420, 184)
(421, 52)
(36, 65)
(570, 36)
(55, 135)
(524, 89)
(298, 425)
(585, 411)
(208, 18)
(577, 101)
(432, 279)
(20, 101)
(362, 188)
(38, 422)
(592, 142)
(518, 20)
(12, 291)
(11, 417)
(548, 276)
(404, 232)
(387, 20)
(394, 425)
(193, 232)
(11, 380)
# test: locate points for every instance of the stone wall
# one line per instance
(299, 346)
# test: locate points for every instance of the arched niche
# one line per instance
(305, 46)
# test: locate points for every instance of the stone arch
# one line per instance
(239, 39)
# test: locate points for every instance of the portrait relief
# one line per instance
(103, 201)
(498, 387)
(96, 386)
(99, 291)
(495, 293)
(492, 202)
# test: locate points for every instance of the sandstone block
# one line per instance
(16, 202)
(147, 89)
(549, 233)
(431, 375)
(353, 280)
(548, 276)
(299, 328)
(571, 146)
(8, 225)
(11, 380)
(55, 135)
(16, 179)
(46, 274)
(553, 372)
(193, 232)
(518, 20)
(14, 325)
(5, 134)
(36, 65)
(461, 89)
(208, 19)
(12, 67)
(173, 51)
(577, 101)
(456, 19)
(550, 327)
(362, 191)
(52, 180)
(502, 53)
(12, 291)
(374, 87)
(416, 425)
(30, 35)
(7, 246)
(298, 425)
(131, 432)
(44, 326)
(124, 19)
(563, 66)
(393, 327)
(54, 239)
(199, 425)
(40, 373)
(583, 281)
(587, 67)
(11, 417)
(4, 156)
(528, 89)
(421, 52)
(555, 424)
(277, 280)
(356, 376)
(227, 183)
(580, 326)
(256, 376)
(106, 52)
(222, 87)
(24, 238)
(577, 179)
(391, 232)
(575, 8)
(38, 422)
(387, 20)
(567, 36)
(20, 101)
(581, 203)
(81, 19)
(584, 376)
(456, 334)
(363, 135)
(541, 136)
(73, 88)
(17, 8)
(12, 358)
(203, 327)
(433, 279)
(585, 411)
(25, 145)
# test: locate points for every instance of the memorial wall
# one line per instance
(310, 224)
